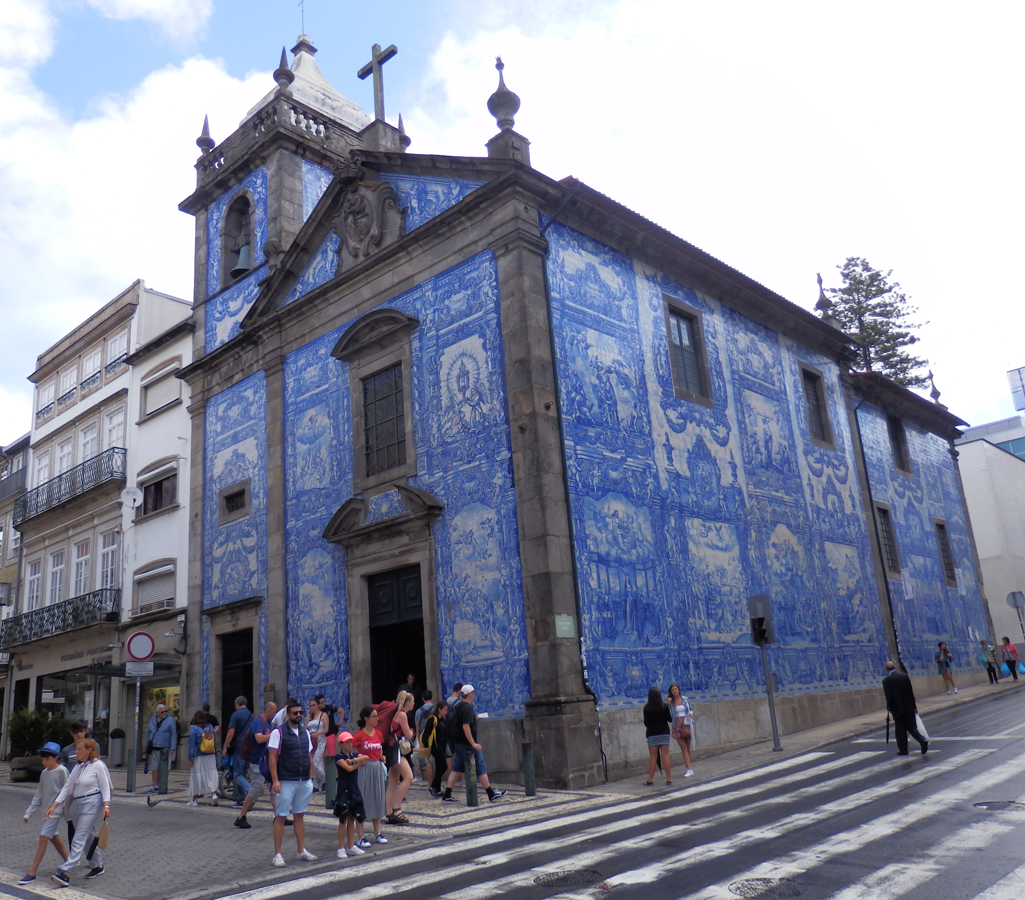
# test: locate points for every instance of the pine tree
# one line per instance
(874, 311)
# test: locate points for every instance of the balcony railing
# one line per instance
(45, 411)
(109, 465)
(90, 382)
(115, 364)
(99, 606)
(66, 398)
(13, 484)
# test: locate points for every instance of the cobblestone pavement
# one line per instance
(171, 852)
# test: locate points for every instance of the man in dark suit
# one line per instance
(900, 701)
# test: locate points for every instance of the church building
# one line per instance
(463, 420)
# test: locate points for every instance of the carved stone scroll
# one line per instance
(369, 220)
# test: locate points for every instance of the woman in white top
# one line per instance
(86, 797)
(316, 725)
(683, 719)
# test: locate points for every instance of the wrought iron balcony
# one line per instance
(66, 398)
(109, 465)
(45, 411)
(99, 606)
(115, 364)
(90, 382)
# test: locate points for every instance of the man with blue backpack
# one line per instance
(254, 746)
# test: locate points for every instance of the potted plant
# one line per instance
(117, 746)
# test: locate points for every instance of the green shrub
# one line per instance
(29, 729)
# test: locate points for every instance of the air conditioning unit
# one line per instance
(5, 593)
(153, 607)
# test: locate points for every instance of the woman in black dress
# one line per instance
(657, 719)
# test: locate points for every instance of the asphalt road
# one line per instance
(849, 821)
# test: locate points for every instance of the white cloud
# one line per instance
(26, 33)
(179, 19)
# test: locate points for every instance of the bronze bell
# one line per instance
(245, 261)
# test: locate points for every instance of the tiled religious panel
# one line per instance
(318, 465)
(926, 609)
(315, 181)
(680, 511)
(235, 553)
(320, 269)
(255, 184)
(464, 460)
(424, 198)
(225, 312)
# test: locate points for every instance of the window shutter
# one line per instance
(153, 590)
(161, 392)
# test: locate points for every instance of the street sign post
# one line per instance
(1016, 600)
(140, 646)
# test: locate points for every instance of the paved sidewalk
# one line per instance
(171, 851)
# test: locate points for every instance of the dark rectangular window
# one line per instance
(888, 540)
(160, 494)
(235, 502)
(946, 557)
(687, 354)
(898, 444)
(815, 407)
(384, 424)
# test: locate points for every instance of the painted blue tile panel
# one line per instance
(926, 609)
(681, 511)
(225, 312)
(463, 458)
(315, 181)
(423, 198)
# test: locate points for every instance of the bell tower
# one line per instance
(255, 188)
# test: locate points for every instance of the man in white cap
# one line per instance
(466, 746)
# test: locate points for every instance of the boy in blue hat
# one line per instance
(50, 783)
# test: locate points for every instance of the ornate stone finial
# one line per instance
(934, 393)
(404, 138)
(503, 104)
(303, 44)
(824, 304)
(283, 75)
(204, 141)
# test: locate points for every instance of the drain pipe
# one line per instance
(879, 540)
(562, 444)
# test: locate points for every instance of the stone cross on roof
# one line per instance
(374, 67)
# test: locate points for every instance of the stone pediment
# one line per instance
(366, 220)
(376, 329)
(358, 521)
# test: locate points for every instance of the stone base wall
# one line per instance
(718, 727)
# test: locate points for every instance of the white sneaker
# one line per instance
(192, 803)
(380, 839)
(689, 773)
(948, 693)
(213, 797)
(955, 690)
(341, 854)
(306, 856)
(357, 849)
(278, 862)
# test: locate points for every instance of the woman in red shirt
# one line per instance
(1009, 653)
(371, 777)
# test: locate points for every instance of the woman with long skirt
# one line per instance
(371, 776)
(86, 797)
(316, 725)
(203, 777)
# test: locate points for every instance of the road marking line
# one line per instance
(534, 829)
(793, 865)
(704, 852)
(939, 741)
(1010, 887)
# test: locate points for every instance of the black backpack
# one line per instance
(453, 733)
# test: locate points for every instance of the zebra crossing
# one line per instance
(626, 841)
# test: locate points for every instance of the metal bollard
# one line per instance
(471, 778)
(130, 772)
(529, 781)
(330, 781)
(162, 771)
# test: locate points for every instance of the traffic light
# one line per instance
(759, 611)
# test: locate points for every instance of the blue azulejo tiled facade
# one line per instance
(463, 459)
(681, 511)
(928, 606)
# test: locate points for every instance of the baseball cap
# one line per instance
(344, 736)
(467, 690)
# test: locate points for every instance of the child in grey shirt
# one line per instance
(50, 783)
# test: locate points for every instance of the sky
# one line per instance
(780, 137)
